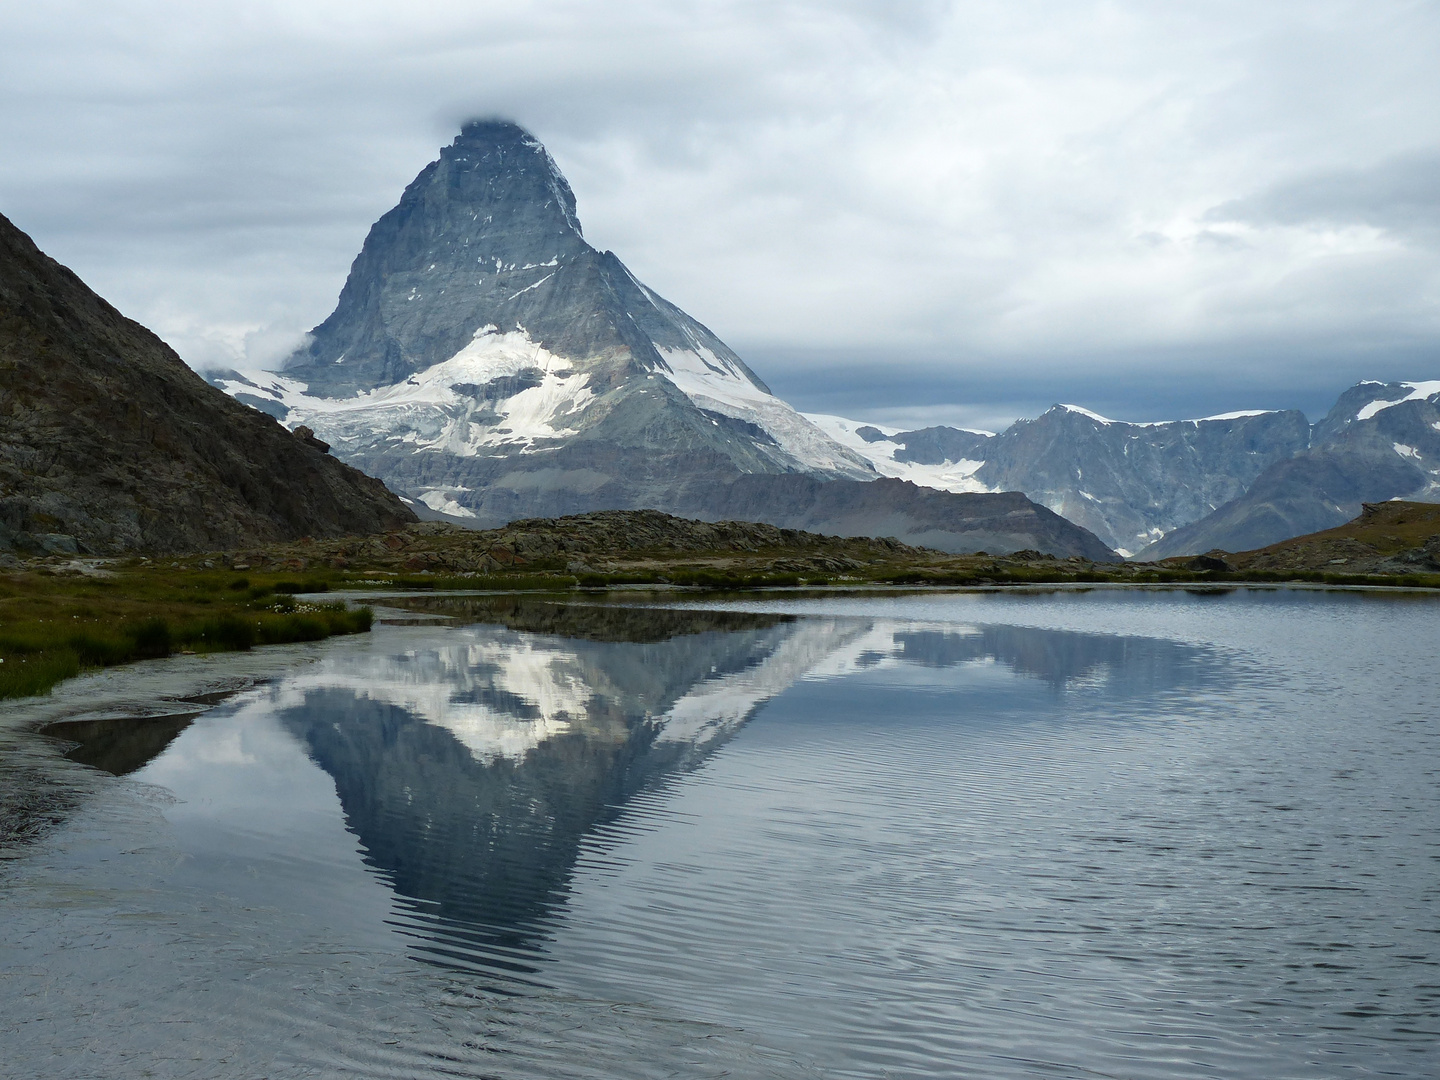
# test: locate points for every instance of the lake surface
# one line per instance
(1065, 834)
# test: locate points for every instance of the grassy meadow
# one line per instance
(55, 626)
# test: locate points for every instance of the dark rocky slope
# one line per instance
(1387, 538)
(109, 443)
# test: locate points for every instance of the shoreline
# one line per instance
(166, 686)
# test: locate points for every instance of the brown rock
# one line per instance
(108, 437)
(307, 436)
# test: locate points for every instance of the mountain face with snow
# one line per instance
(1129, 484)
(489, 362)
(1381, 441)
(939, 457)
(485, 357)
(1239, 481)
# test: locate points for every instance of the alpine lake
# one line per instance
(1099, 832)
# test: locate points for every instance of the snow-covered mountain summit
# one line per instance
(487, 361)
(485, 358)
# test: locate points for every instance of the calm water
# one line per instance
(1056, 835)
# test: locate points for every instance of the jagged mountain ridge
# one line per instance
(1380, 441)
(1156, 490)
(485, 359)
(110, 443)
(1128, 483)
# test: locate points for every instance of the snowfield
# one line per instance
(1239, 415)
(713, 383)
(1418, 392)
(437, 409)
(951, 476)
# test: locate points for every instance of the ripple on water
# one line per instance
(881, 848)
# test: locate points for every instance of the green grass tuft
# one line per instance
(53, 628)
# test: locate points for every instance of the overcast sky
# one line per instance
(897, 210)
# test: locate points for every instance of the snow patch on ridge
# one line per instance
(951, 476)
(1242, 414)
(1418, 392)
(714, 383)
(1238, 415)
(1086, 412)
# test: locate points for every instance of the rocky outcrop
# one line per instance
(109, 443)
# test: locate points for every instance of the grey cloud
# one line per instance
(1400, 195)
(939, 198)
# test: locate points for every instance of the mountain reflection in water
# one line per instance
(870, 837)
(474, 769)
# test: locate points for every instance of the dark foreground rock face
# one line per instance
(109, 443)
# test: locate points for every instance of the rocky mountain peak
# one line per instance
(477, 324)
(488, 362)
(472, 238)
(502, 153)
(1365, 401)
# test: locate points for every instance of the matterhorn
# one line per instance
(490, 364)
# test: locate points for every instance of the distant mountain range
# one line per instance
(488, 363)
(1129, 484)
(1381, 441)
(110, 443)
(1236, 482)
